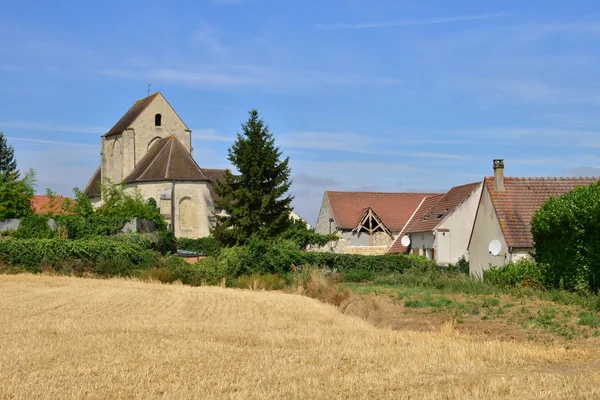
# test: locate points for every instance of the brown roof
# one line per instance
(429, 218)
(43, 204)
(214, 175)
(131, 115)
(425, 205)
(394, 209)
(522, 197)
(167, 160)
(93, 187)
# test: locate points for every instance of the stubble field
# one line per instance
(74, 338)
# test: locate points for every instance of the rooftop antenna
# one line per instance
(150, 84)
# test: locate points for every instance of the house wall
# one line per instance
(324, 214)
(422, 241)
(453, 245)
(485, 229)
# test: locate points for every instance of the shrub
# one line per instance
(313, 282)
(523, 273)
(259, 282)
(31, 254)
(567, 239)
(166, 243)
(207, 245)
(34, 227)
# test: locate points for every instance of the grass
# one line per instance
(542, 315)
(73, 338)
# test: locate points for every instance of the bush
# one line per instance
(523, 273)
(207, 245)
(34, 227)
(567, 239)
(31, 254)
(166, 243)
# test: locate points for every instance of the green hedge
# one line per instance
(282, 256)
(207, 245)
(523, 273)
(31, 254)
(566, 236)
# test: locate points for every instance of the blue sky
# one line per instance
(361, 95)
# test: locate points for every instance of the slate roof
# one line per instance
(445, 205)
(214, 175)
(425, 205)
(131, 115)
(394, 209)
(93, 187)
(167, 160)
(522, 197)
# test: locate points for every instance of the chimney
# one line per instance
(499, 175)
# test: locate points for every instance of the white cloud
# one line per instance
(41, 126)
(240, 76)
(413, 22)
(48, 143)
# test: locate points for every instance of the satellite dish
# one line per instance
(405, 241)
(495, 247)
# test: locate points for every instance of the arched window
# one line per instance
(188, 215)
(157, 120)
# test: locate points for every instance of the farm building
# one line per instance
(441, 228)
(366, 222)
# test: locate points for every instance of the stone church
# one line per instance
(150, 150)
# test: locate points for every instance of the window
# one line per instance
(157, 120)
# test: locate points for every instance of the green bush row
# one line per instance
(31, 254)
(207, 245)
(523, 273)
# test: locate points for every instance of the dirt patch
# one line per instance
(509, 319)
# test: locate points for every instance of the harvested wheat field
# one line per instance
(75, 338)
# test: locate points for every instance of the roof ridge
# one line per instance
(548, 178)
(390, 193)
(153, 160)
(189, 155)
(168, 165)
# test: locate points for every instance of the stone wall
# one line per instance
(323, 226)
(9, 225)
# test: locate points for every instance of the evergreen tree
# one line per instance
(255, 201)
(16, 194)
(8, 164)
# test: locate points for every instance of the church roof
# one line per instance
(93, 187)
(214, 175)
(131, 115)
(167, 160)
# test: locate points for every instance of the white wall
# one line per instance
(485, 229)
(460, 224)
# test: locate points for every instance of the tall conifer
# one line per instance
(255, 202)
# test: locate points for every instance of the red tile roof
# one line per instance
(394, 209)
(522, 197)
(425, 205)
(42, 204)
(440, 210)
